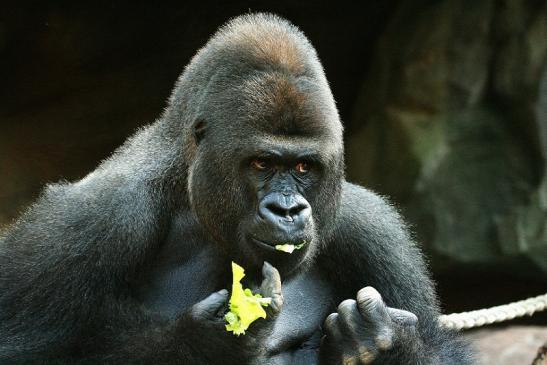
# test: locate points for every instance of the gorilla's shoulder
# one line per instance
(363, 203)
(364, 212)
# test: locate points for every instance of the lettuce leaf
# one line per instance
(289, 248)
(245, 307)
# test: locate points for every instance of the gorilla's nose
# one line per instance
(285, 209)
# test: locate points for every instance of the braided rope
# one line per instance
(500, 313)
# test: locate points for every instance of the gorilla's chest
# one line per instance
(307, 301)
(173, 286)
(176, 286)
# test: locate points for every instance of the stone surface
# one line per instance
(508, 346)
(541, 358)
(451, 123)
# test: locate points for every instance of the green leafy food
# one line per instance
(288, 248)
(245, 307)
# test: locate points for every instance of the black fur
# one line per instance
(119, 266)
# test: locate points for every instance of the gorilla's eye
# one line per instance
(302, 167)
(260, 165)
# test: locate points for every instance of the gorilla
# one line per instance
(131, 264)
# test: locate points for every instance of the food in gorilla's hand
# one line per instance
(288, 248)
(245, 307)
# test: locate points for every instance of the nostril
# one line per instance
(294, 211)
(277, 210)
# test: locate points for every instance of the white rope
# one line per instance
(500, 313)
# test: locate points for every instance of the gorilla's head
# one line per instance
(263, 141)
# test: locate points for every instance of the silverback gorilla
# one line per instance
(130, 265)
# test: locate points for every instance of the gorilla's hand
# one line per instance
(363, 329)
(206, 318)
(271, 288)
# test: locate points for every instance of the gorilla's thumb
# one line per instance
(271, 288)
(210, 306)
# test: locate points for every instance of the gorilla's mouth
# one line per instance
(266, 245)
(273, 246)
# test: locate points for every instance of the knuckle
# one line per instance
(346, 306)
(278, 298)
(366, 355)
(271, 284)
(277, 302)
(349, 360)
(197, 312)
(384, 342)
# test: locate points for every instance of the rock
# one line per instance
(524, 230)
(541, 358)
(449, 124)
(508, 346)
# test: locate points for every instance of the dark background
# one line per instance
(440, 101)
(78, 80)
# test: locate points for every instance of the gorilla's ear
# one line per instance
(198, 129)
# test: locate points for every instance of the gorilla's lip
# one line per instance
(266, 245)
(263, 244)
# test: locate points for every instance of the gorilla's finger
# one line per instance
(351, 321)
(271, 287)
(210, 306)
(272, 280)
(402, 317)
(372, 307)
(331, 327)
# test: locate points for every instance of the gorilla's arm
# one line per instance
(373, 248)
(65, 263)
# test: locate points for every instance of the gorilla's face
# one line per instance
(268, 169)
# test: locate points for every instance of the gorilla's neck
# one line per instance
(155, 158)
